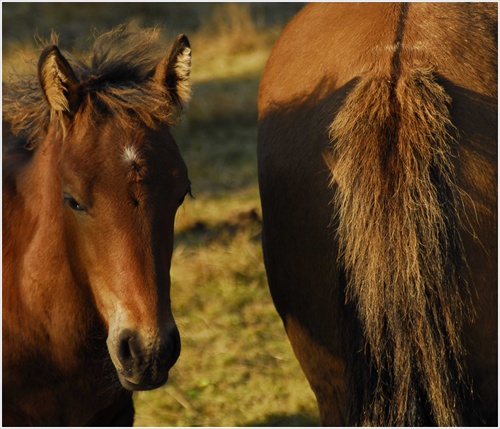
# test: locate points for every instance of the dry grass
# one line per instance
(236, 366)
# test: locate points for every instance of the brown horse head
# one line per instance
(118, 178)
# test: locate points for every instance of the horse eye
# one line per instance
(75, 205)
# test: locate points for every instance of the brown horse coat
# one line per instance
(92, 179)
(378, 177)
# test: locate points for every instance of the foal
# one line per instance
(92, 179)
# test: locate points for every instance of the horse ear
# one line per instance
(174, 69)
(59, 83)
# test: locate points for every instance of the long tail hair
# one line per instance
(396, 203)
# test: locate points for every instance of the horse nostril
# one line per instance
(128, 351)
(124, 351)
(171, 348)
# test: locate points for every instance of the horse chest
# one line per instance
(76, 399)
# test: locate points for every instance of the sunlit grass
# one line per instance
(236, 367)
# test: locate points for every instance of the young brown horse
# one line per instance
(378, 178)
(92, 179)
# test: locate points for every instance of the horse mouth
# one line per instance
(146, 385)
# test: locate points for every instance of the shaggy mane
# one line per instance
(115, 78)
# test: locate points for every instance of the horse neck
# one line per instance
(40, 292)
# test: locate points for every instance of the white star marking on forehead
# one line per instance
(130, 155)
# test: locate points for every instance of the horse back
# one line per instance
(334, 43)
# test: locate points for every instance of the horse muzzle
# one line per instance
(143, 364)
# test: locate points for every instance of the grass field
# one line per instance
(236, 366)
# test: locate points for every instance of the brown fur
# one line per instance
(377, 173)
(88, 214)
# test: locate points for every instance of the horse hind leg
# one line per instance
(324, 371)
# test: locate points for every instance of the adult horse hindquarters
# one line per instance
(92, 179)
(377, 172)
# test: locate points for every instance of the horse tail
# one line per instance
(396, 205)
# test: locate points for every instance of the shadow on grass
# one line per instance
(282, 420)
(200, 233)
